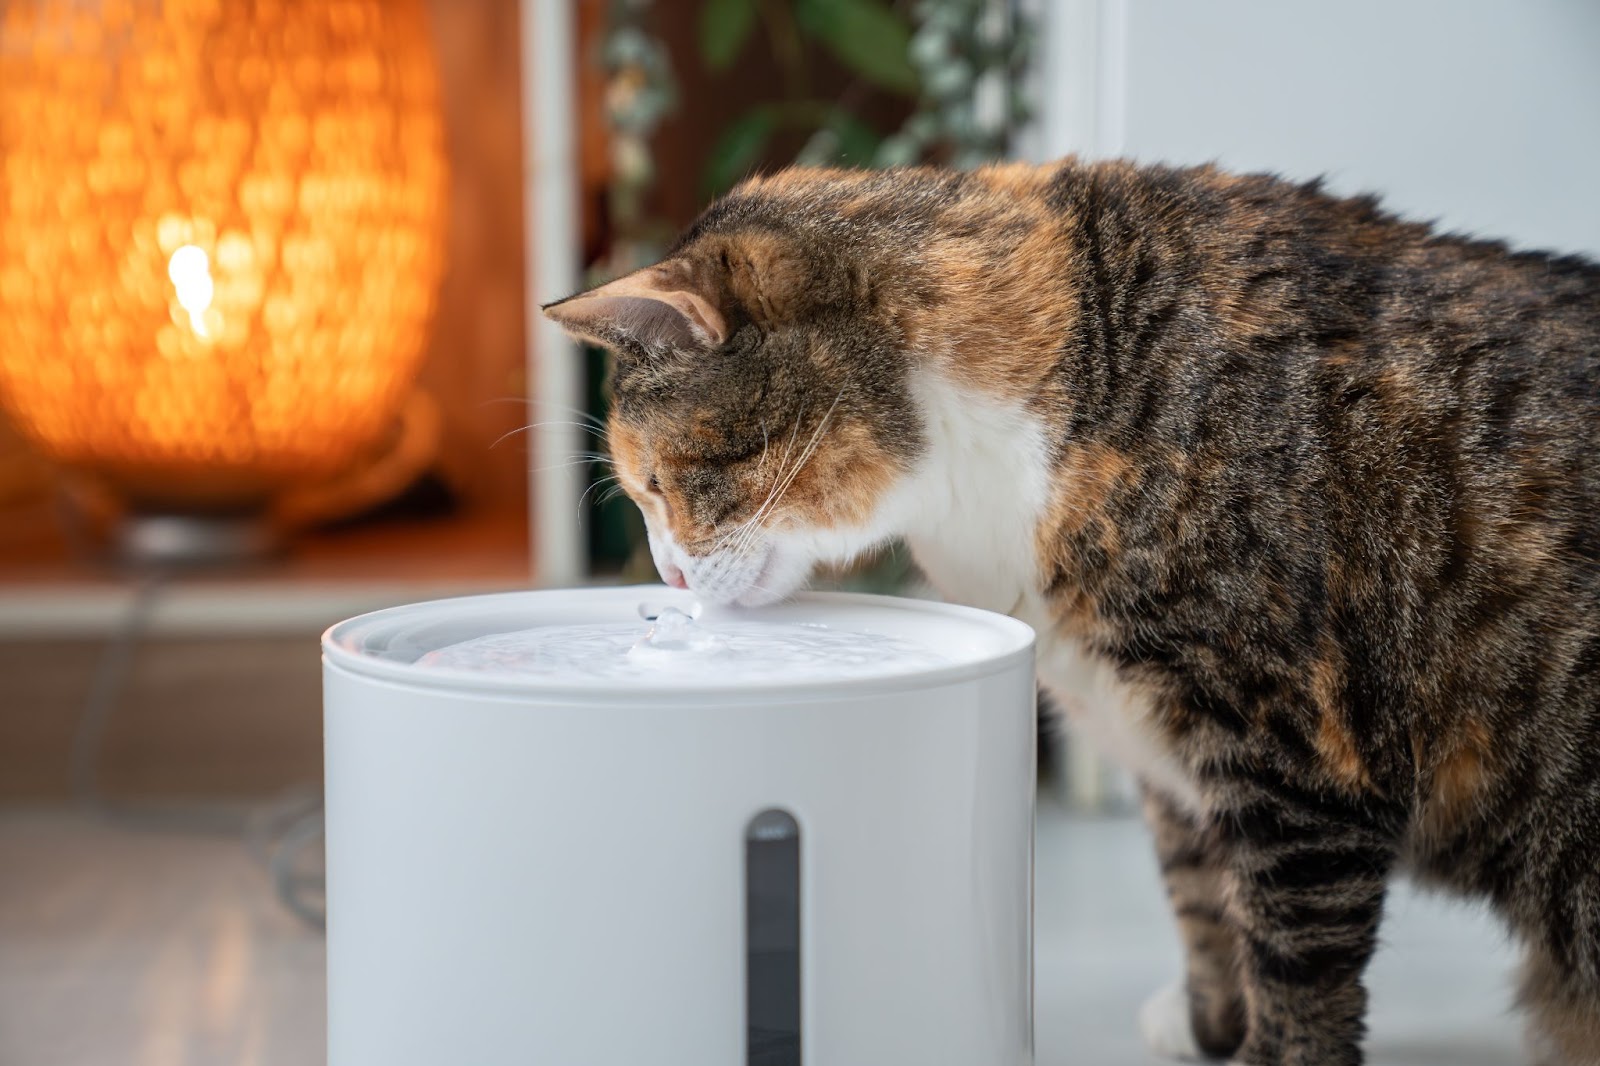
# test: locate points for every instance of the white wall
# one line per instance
(550, 178)
(1483, 114)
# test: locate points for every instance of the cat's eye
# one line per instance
(653, 487)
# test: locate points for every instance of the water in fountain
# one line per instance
(679, 647)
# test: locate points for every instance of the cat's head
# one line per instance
(761, 418)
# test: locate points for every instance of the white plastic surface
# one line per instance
(394, 643)
(535, 877)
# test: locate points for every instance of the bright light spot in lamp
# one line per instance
(190, 272)
(216, 278)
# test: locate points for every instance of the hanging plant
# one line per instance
(640, 92)
(959, 60)
(970, 57)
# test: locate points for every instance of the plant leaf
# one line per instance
(866, 36)
(724, 27)
(739, 146)
(858, 142)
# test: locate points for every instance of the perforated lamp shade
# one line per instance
(220, 236)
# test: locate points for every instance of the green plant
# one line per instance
(971, 57)
(868, 37)
(960, 60)
(640, 92)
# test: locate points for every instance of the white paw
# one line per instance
(1164, 1022)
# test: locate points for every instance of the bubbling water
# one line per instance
(679, 647)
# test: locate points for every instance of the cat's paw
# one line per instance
(1164, 1023)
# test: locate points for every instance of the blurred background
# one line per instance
(270, 356)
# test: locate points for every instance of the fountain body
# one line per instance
(711, 866)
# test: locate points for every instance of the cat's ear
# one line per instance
(648, 313)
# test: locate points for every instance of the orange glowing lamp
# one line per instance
(221, 230)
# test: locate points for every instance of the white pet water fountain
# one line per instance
(602, 828)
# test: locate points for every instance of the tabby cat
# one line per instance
(1302, 499)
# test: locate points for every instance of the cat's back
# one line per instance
(1283, 277)
(1251, 265)
(1229, 223)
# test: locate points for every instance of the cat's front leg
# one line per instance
(1310, 864)
(1205, 1015)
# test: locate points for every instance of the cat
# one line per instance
(1302, 499)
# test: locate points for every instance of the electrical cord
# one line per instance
(281, 835)
(284, 839)
(106, 685)
(302, 891)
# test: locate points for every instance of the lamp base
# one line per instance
(179, 540)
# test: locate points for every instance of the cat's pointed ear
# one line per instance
(647, 313)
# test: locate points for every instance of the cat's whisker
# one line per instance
(739, 529)
(744, 535)
(780, 483)
(576, 460)
(580, 463)
(805, 456)
(761, 465)
(540, 425)
(738, 538)
(527, 401)
(613, 490)
(593, 485)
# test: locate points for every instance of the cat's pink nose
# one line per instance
(674, 577)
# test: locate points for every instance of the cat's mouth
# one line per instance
(760, 592)
(750, 579)
(755, 574)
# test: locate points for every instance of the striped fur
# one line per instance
(1320, 518)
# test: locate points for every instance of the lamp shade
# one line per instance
(221, 230)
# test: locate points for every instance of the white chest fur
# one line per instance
(973, 509)
(1106, 711)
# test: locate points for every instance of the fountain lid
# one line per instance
(420, 644)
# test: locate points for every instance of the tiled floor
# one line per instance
(130, 949)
